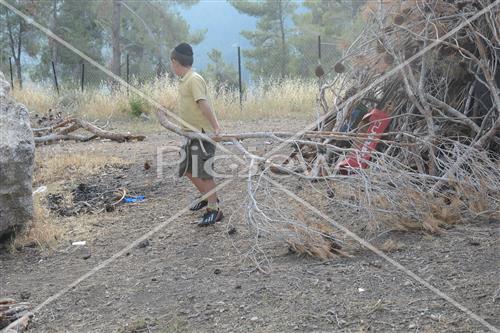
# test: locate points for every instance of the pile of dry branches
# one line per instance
(14, 317)
(428, 153)
(55, 129)
(408, 136)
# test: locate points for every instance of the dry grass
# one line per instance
(289, 98)
(45, 230)
(66, 166)
(392, 246)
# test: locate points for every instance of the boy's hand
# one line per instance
(217, 132)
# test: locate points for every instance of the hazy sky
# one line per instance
(223, 23)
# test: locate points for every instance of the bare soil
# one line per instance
(190, 279)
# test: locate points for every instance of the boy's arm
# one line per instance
(208, 113)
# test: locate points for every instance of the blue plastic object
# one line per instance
(137, 198)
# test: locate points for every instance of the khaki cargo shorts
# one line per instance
(197, 158)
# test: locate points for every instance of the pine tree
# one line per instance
(271, 52)
(335, 21)
(18, 36)
(221, 74)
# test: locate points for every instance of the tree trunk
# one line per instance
(284, 62)
(13, 47)
(115, 38)
(52, 42)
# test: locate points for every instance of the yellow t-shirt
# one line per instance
(192, 88)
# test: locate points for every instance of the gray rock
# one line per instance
(17, 151)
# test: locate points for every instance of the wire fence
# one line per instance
(82, 76)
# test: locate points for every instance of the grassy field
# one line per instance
(267, 99)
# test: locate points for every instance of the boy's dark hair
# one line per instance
(183, 53)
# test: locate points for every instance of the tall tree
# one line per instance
(115, 38)
(335, 21)
(147, 31)
(271, 51)
(75, 23)
(105, 30)
(54, 27)
(224, 76)
(19, 36)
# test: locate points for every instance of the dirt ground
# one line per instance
(190, 279)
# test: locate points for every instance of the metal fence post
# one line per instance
(239, 78)
(11, 74)
(128, 73)
(319, 47)
(83, 75)
(55, 77)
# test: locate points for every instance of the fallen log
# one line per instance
(14, 317)
(19, 325)
(63, 131)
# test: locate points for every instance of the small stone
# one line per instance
(143, 244)
(329, 279)
(154, 279)
(435, 317)
(25, 295)
(412, 325)
(217, 271)
(237, 287)
(231, 231)
(254, 318)
(474, 242)
(86, 255)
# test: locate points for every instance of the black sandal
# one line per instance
(197, 205)
(210, 217)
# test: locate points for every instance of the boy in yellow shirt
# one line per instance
(195, 110)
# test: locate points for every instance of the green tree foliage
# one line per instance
(336, 22)
(271, 53)
(148, 30)
(285, 41)
(17, 37)
(75, 23)
(222, 75)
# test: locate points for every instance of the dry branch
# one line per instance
(438, 161)
(14, 317)
(63, 130)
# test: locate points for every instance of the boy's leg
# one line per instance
(196, 182)
(204, 186)
(209, 185)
